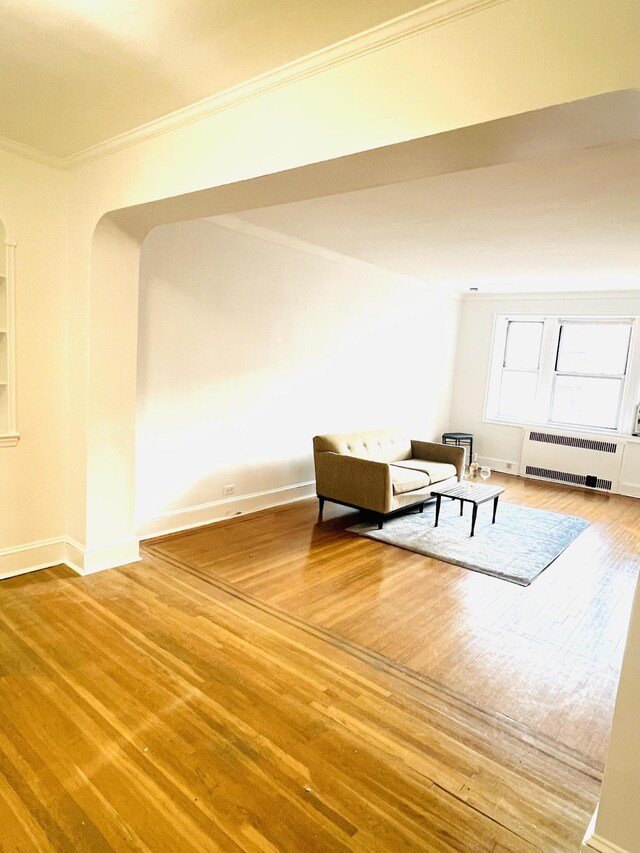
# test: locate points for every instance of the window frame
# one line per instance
(621, 377)
(547, 372)
(510, 322)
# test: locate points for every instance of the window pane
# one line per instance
(585, 401)
(517, 394)
(522, 350)
(593, 348)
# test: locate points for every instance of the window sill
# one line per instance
(9, 440)
(624, 436)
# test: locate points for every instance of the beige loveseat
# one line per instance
(382, 471)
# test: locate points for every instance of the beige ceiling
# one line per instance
(569, 222)
(77, 72)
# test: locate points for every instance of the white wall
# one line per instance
(248, 348)
(32, 472)
(499, 445)
(617, 827)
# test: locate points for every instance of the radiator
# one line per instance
(584, 461)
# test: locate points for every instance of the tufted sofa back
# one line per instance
(384, 445)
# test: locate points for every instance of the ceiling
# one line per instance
(77, 72)
(74, 73)
(570, 222)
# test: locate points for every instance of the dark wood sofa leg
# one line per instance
(380, 522)
(320, 507)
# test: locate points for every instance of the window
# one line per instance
(590, 368)
(520, 369)
(561, 371)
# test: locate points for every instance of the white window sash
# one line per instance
(629, 394)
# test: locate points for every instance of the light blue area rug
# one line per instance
(520, 545)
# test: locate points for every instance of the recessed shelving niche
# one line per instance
(8, 432)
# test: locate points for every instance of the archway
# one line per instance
(110, 458)
(110, 479)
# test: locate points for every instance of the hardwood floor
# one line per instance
(147, 709)
(547, 655)
(268, 684)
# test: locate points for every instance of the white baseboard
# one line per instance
(197, 516)
(31, 557)
(54, 552)
(88, 561)
(74, 555)
(632, 490)
(593, 843)
(503, 466)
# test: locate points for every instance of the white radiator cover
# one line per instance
(586, 461)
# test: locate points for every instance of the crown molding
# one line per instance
(33, 154)
(433, 14)
(548, 296)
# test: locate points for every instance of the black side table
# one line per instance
(464, 439)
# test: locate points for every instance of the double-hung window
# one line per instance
(520, 369)
(589, 373)
(569, 371)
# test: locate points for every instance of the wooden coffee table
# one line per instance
(473, 493)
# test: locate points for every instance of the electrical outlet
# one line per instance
(229, 490)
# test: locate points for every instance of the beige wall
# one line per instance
(32, 473)
(247, 348)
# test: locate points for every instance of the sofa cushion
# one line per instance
(383, 445)
(406, 480)
(437, 471)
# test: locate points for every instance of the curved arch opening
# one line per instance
(604, 122)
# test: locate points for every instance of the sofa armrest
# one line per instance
(351, 480)
(433, 452)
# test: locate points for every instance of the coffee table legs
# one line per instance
(474, 505)
(474, 512)
(474, 515)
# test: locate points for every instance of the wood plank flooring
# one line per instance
(270, 684)
(548, 655)
(146, 708)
